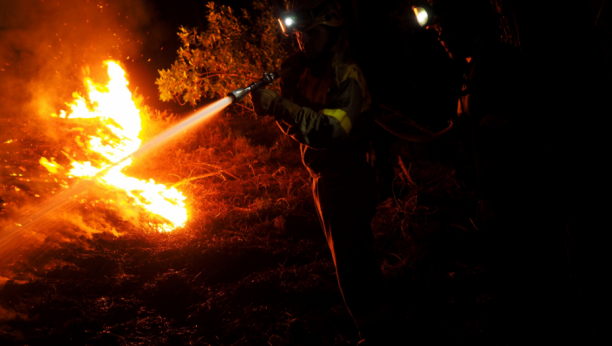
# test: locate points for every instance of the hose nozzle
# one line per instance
(241, 93)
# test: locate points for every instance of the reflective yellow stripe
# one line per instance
(353, 71)
(341, 116)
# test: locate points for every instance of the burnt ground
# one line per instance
(251, 267)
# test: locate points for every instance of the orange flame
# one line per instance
(116, 110)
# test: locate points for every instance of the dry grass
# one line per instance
(251, 267)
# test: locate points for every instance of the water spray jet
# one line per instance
(70, 197)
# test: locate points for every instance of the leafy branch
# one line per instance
(230, 53)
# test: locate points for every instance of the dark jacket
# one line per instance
(332, 124)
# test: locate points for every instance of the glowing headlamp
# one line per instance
(421, 15)
(288, 24)
(295, 21)
(424, 15)
(300, 20)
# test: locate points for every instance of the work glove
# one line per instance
(262, 101)
(268, 102)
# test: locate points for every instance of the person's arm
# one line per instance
(321, 129)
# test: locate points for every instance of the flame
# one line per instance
(116, 110)
(51, 166)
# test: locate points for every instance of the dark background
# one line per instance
(45, 45)
(400, 62)
(567, 48)
(167, 17)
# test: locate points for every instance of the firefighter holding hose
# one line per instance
(323, 106)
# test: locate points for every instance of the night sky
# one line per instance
(34, 32)
(167, 17)
(45, 45)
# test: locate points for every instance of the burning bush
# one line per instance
(231, 52)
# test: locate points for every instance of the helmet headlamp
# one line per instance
(301, 20)
(296, 21)
(424, 15)
(421, 15)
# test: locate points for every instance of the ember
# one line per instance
(117, 113)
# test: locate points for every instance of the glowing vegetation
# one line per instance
(117, 130)
(233, 51)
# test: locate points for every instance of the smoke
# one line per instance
(45, 45)
(44, 48)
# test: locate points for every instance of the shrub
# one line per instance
(232, 52)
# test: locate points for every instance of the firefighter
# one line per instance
(324, 106)
(490, 102)
(504, 138)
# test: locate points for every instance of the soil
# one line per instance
(251, 267)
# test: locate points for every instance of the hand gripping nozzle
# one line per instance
(241, 93)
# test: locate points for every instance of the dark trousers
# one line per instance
(346, 202)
